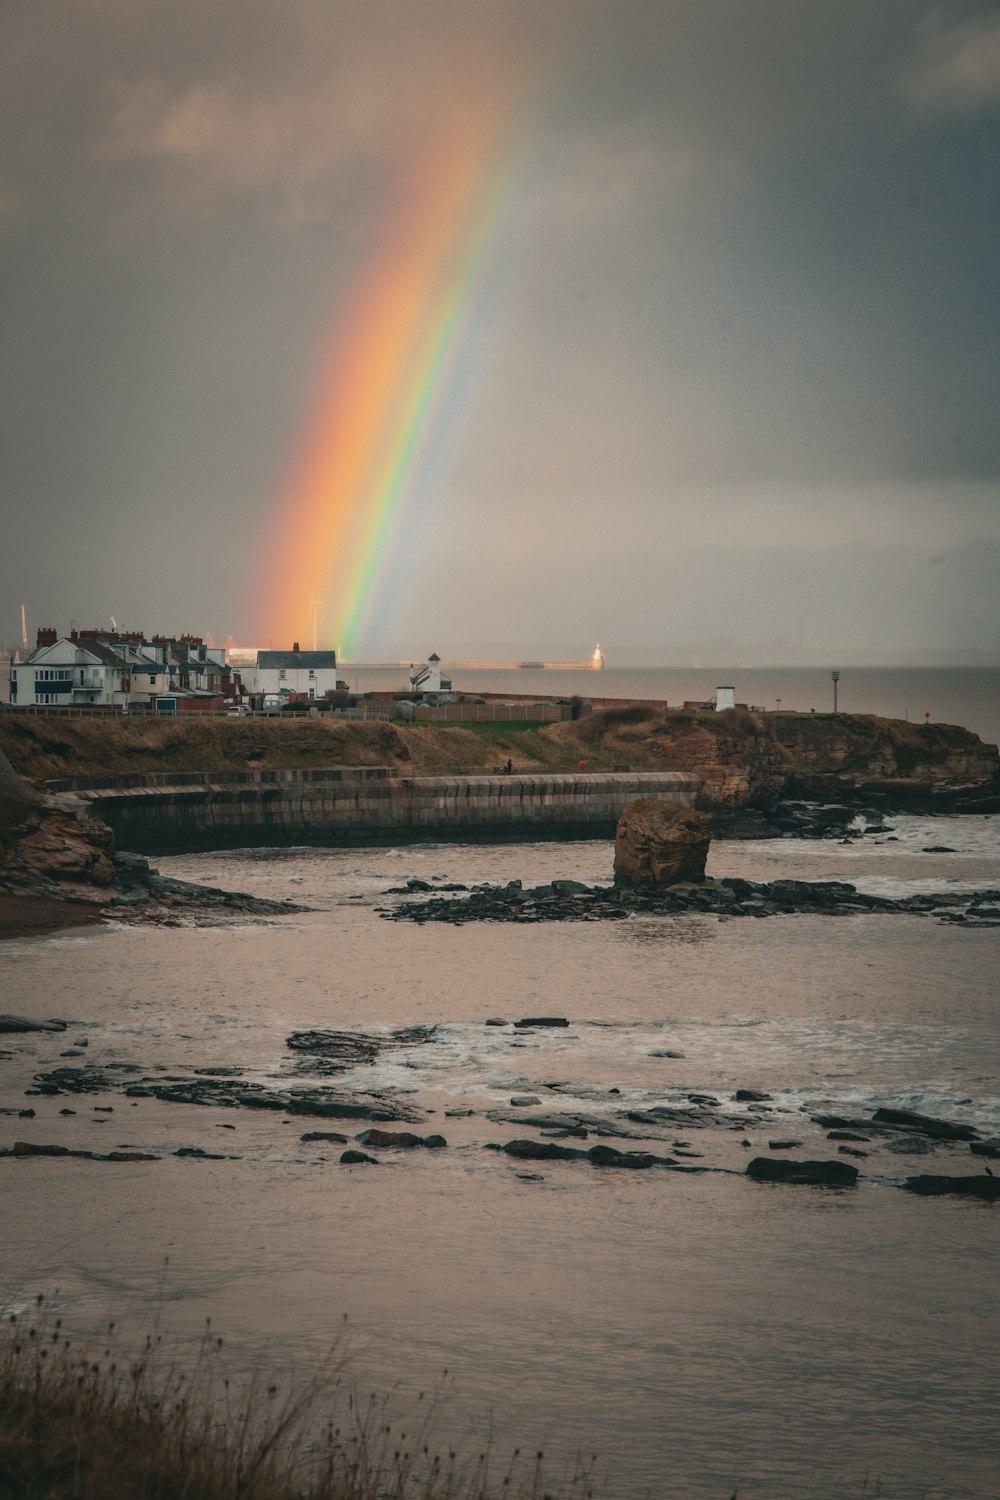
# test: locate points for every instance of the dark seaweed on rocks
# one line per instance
(729, 897)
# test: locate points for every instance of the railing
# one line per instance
(445, 713)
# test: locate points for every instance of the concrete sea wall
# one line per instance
(364, 808)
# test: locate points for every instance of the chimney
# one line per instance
(295, 645)
(46, 637)
(74, 635)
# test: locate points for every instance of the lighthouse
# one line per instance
(597, 660)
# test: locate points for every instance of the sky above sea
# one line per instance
(501, 328)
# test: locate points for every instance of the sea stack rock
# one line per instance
(658, 844)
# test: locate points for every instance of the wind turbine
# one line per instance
(315, 603)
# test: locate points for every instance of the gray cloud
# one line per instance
(955, 65)
(737, 334)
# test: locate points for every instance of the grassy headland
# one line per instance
(763, 749)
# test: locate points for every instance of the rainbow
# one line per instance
(380, 397)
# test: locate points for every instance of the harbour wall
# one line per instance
(366, 808)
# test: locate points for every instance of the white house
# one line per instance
(428, 678)
(73, 673)
(312, 673)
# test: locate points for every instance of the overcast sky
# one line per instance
(733, 376)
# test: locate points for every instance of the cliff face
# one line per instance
(55, 855)
(864, 748)
(734, 769)
(756, 759)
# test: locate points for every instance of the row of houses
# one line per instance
(160, 674)
(111, 668)
(134, 673)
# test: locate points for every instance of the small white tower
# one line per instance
(597, 660)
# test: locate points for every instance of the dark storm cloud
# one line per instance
(745, 300)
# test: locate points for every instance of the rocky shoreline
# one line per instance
(676, 1130)
(60, 870)
(729, 897)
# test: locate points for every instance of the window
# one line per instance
(282, 673)
(152, 682)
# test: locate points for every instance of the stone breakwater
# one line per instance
(572, 901)
(369, 805)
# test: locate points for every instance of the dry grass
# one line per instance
(91, 1423)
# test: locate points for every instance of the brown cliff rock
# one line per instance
(55, 854)
(657, 843)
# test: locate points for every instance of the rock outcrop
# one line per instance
(659, 844)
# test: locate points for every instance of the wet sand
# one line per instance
(32, 916)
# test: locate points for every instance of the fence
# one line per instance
(488, 713)
(378, 712)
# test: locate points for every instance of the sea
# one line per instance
(951, 695)
(702, 1334)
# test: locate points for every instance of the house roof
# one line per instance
(314, 659)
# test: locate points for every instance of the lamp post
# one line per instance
(836, 679)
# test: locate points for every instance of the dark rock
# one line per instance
(197, 1153)
(746, 1096)
(541, 1021)
(937, 849)
(354, 1158)
(325, 1135)
(13, 1024)
(846, 1135)
(542, 1151)
(607, 1156)
(403, 1139)
(28, 1148)
(418, 885)
(783, 1145)
(980, 1186)
(851, 1151)
(911, 1145)
(986, 1148)
(571, 888)
(806, 1173)
(497, 1021)
(674, 1055)
(524, 1101)
(943, 1130)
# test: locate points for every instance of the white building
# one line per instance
(311, 673)
(71, 673)
(428, 678)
